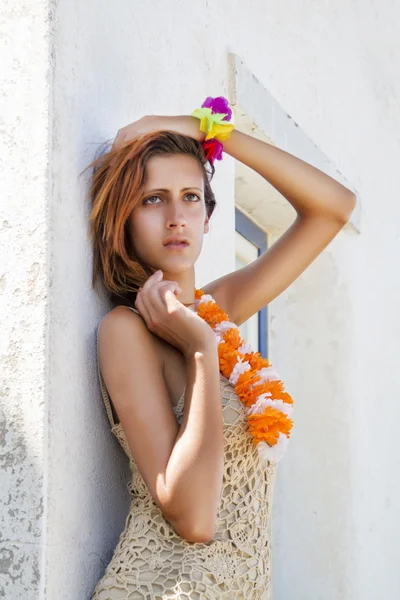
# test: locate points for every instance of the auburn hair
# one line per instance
(116, 186)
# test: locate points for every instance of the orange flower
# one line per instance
(257, 361)
(268, 425)
(211, 313)
(227, 358)
(246, 379)
(232, 337)
(198, 294)
(275, 387)
(287, 398)
(244, 389)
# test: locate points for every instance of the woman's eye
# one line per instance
(147, 201)
(152, 199)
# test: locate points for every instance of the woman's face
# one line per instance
(172, 205)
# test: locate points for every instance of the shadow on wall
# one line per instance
(109, 492)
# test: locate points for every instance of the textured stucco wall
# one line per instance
(314, 341)
(333, 67)
(24, 104)
(335, 332)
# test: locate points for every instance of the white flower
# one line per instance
(218, 338)
(238, 369)
(207, 298)
(245, 348)
(273, 453)
(259, 405)
(268, 373)
(264, 400)
(224, 326)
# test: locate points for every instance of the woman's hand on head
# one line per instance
(168, 318)
(183, 124)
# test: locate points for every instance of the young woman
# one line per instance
(172, 368)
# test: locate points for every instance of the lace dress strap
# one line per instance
(103, 389)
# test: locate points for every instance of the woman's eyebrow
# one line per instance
(167, 190)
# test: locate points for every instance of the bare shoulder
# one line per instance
(126, 347)
(122, 322)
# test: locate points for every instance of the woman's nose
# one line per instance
(176, 217)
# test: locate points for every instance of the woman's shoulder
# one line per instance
(122, 332)
(122, 323)
(120, 314)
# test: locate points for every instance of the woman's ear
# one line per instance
(206, 225)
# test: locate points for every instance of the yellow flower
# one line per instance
(220, 131)
(213, 124)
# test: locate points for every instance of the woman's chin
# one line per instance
(175, 266)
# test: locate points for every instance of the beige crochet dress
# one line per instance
(151, 561)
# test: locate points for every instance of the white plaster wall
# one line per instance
(24, 106)
(333, 67)
(314, 342)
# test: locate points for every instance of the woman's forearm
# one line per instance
(309, 190)
(194, 472)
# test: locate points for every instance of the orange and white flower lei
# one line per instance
(267, 406)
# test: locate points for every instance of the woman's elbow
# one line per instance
(194, 533)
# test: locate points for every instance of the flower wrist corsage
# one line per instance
(214, 115)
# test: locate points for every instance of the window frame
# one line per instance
(259, 238)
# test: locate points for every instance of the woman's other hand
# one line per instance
(168, 318)
(183, 124)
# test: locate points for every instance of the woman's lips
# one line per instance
(177, 245)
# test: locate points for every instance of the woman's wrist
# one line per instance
(188, 125)
(232, 142)
(207, 348)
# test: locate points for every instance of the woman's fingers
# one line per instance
(154, 303)
(155, 282)
(168, 297)
(157, 305)
(142, 308)
(142, 303)
(153, 279)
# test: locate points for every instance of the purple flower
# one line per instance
(218, 105)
